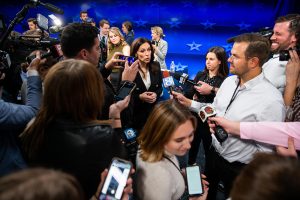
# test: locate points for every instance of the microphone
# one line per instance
(183, 78)
(168, 81)
(209, 111)
(49, 6)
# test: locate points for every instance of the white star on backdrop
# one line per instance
(140, 23)
(227, 47)
(243, 26)
(180, 67)
(174, 23)
(194, 46)
(208, 24)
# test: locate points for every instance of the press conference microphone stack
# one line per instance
(183, 78)
(168, 80)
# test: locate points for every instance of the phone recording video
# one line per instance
(125, 90)
(116, 179)
(130, 59)
(194, 181)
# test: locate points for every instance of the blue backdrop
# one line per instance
(191, 27)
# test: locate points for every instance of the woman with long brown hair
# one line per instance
(66, 134)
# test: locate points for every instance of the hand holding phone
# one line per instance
(194, 181)
(116, 179)
(130, 59)
(125, 90)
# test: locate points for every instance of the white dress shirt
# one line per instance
(274, 71)
(256, 100)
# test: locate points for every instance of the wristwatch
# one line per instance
(213, 91)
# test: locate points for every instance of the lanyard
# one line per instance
(235, 93)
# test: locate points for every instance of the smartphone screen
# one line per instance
(194, 181)
(130, 59)
(130, 134)
(116, 179)
(125, 90)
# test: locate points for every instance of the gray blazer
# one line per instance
(160, 54)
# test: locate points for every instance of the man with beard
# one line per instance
(246, 96)
(283, 38)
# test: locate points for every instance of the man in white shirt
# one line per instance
(245, 96)
(283, 38)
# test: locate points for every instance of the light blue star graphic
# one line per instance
(180, 67)
(174, 23)
(187, 4)
(208, 24)
(140, 23)
(243, 26)
(194, 46)
(227, 47)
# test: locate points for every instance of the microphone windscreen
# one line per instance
(165, 73)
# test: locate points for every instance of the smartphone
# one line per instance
(130, 134)
(194, 181)
(130, 59)
(125, 90)
(116, 179)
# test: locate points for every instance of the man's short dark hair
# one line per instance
(77, 36)
(102, 22)
(259, 46)
(294, 20)
(33, 20)
(83, 12)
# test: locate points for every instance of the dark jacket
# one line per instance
(129, 37)
(139, 109)
(13, 119)
(83, 150)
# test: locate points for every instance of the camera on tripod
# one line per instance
(284, 55)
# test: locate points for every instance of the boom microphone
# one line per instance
(183, 78)
(49, 6)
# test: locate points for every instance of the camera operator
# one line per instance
(84, 17)
(34, 33)
(283, 38)
(13, 119)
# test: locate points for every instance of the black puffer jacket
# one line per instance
(83, 150)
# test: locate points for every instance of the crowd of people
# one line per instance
(71, 125)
